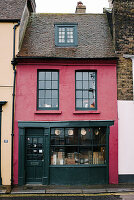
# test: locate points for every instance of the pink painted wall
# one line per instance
(26, 101)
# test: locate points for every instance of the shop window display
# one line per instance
(77, 146)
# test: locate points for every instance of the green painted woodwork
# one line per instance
(74, 36)
(40, 171)
(78, 175)
(48, 90)
(88, 89)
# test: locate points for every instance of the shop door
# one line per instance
(34, 158)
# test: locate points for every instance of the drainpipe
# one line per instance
(13, 62)
(132, 58)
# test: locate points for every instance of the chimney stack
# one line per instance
(80, 9)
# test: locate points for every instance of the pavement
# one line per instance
(53, 189)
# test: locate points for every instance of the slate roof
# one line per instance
(94, 38)
(12, 9)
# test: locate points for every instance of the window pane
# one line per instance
(85, 75)
(54, 75)
(85, 103)
(41, 84)
(85, 156)
(55, 103)
(79, 94)
(99, 155)
(85, 85)
(57, 136)
(48, 75)
(78, 75)
(48, 84)
(86, 136)
(79, 103)
(47, 103)
(41, 75)
(99, 136)
(85, 94)
(91, 75)
(54, 94)
(92, 103)
(92, 94)
(78, 84)
(54, 84)
(48, 94)
(92, 84)
(41, 93)
(41, 102)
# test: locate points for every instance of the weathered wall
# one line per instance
(6, 89)
(123, 29)
(26, 102)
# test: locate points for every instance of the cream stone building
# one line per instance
(12, 14)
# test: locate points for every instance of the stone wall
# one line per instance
(123, 35)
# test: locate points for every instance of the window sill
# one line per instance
(86, 112)
(48, 112)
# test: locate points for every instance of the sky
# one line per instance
(69, 6)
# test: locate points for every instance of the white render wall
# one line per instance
(125, 137)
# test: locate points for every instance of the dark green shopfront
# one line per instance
(64, 153)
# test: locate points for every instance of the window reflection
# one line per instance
(76, 146)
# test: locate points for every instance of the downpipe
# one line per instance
(13, 62)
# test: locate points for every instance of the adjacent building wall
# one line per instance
(126, 137)
(6, 91)
(123, 18)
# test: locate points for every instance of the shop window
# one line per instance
(85, 90)
(48, 90)
(76, 146)
(65, 34)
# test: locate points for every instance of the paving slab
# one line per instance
(93, 191)
(110, 190)
(63, 191)
(28, 192)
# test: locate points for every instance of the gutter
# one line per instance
(132, 58)
(13, 62)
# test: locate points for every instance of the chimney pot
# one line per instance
(80, 9)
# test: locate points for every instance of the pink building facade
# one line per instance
(68, 144)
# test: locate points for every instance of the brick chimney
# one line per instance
(80, 8)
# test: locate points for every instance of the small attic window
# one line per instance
(65, 35)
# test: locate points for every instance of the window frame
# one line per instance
(46, 108)
(75, 35)
(90, 146)
(88, 108)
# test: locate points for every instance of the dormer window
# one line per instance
(65, 35)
